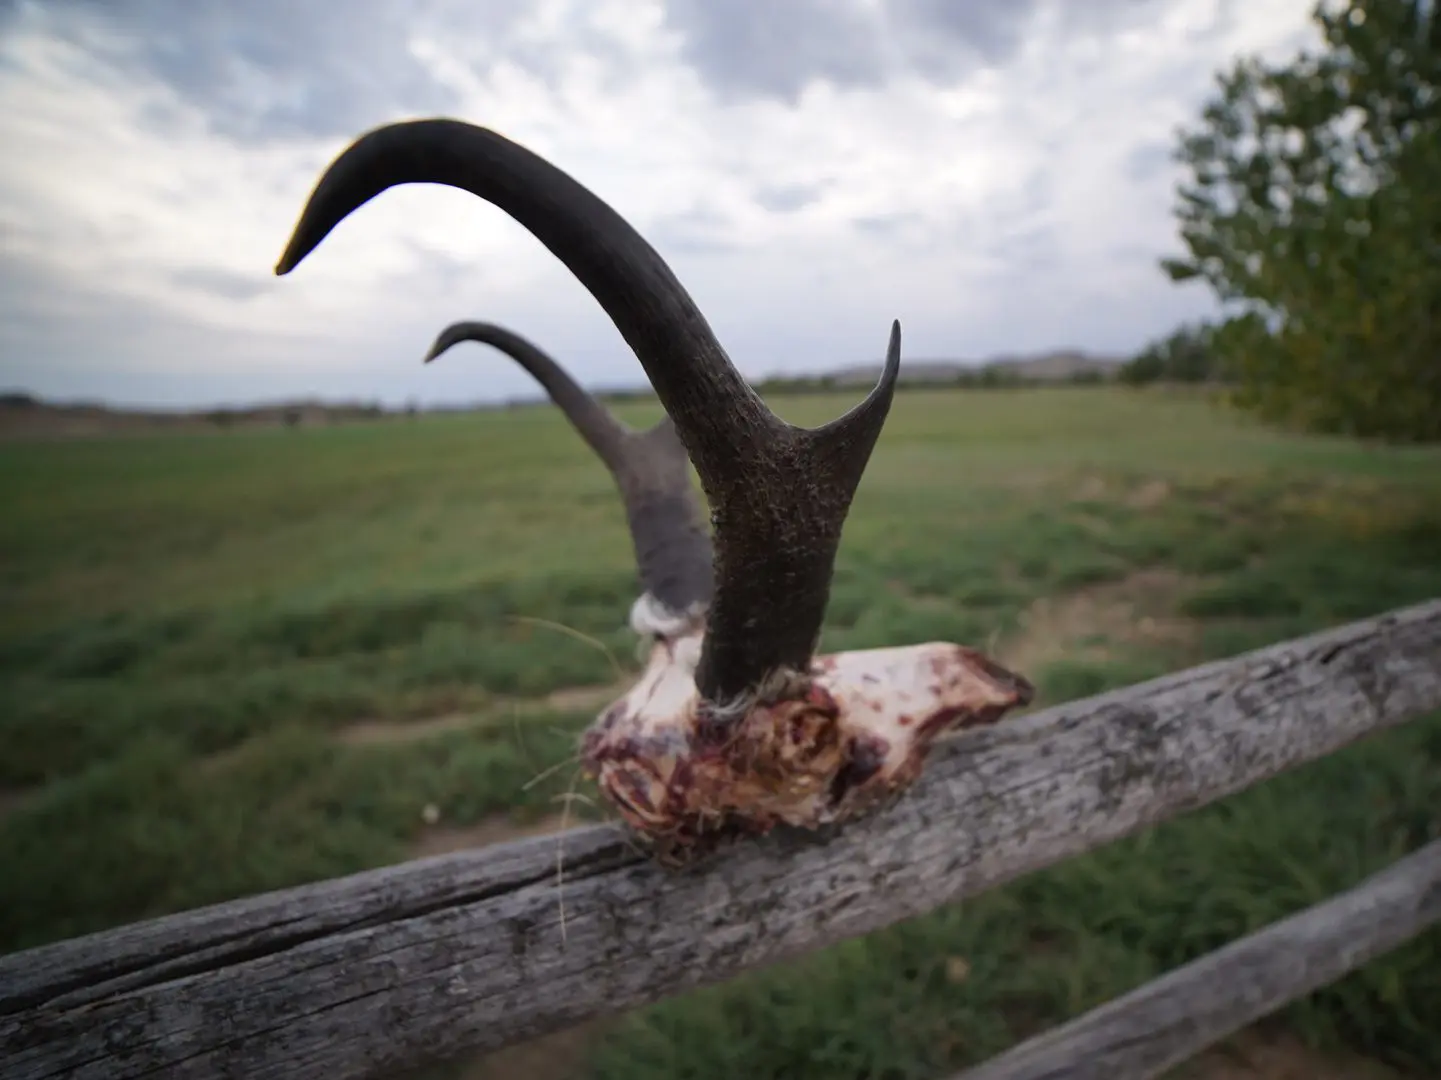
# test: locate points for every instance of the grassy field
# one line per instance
(239, 661)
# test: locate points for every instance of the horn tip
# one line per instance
(300, 244)
(893, 353)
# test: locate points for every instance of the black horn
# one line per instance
(779, 494)
(651, 469)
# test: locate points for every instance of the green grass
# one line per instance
(190, 626)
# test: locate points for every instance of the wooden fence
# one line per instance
(365, 975)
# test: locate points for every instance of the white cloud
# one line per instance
(1000, 212)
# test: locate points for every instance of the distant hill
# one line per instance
(1063, 365)
(24, 416)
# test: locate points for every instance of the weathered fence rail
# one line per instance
(1142, 1034)
(363, 975)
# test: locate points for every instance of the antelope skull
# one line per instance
(735, 726)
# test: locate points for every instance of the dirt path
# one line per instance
(1274, 1055)
(11, 799)
(568, 699)
(1096, 622)
(443, 839)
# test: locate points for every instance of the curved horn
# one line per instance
(597, 425)
(651, 469)
(779, 494)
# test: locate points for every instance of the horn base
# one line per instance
(817, 749)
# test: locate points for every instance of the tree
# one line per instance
(1186, 355)
(1313, 211)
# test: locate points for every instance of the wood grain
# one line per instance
(360, 976)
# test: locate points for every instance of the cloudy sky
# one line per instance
(994, 173)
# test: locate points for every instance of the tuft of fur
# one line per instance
(652, 618)
(804, 750)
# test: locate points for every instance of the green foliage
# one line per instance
(1313, 210)
(1185, 355)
